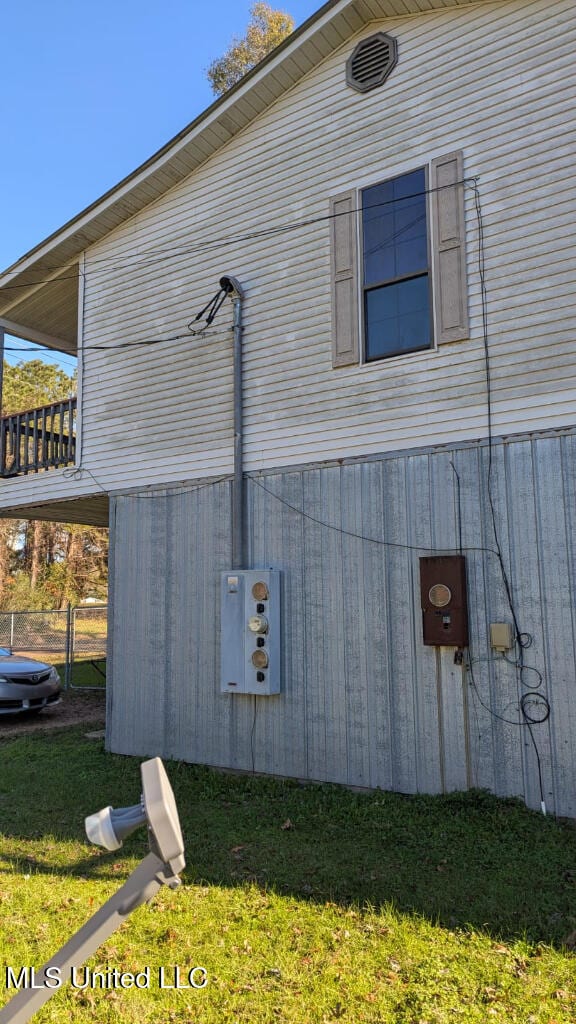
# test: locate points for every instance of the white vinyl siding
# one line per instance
(496, 83)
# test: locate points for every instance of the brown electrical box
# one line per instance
(443, 599)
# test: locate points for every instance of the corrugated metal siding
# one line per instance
(364, 702)
(485, 79)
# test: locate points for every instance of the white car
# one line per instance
(26, 685)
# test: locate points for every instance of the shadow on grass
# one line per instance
(463, 860)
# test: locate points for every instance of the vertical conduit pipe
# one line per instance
(233, 288)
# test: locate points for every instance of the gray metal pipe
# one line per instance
(232, 286)
(139, 888)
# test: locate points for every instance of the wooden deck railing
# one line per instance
(38, 439)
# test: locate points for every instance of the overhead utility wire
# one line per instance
(173, 489)
(42, 353)
(202, 332)
(213, 306)
(152, 256)
(210, 309)
(275, 229)
(158, 255)
(208, 314)
(359, 536)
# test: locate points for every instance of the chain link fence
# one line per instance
(74, 640)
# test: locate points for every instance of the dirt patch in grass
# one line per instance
(76, 706)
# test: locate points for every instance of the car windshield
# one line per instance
(5, 653)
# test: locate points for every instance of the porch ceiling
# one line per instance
(91, 511)
(46, 311)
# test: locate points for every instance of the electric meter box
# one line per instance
(444, 601)
(250, 631)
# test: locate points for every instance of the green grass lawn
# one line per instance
(304, 904)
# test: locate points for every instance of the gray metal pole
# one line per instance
(139, 888)
(233, 288)
(69, 647)
(162, 866)
(238, 483)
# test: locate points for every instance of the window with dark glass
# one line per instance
(396, 277)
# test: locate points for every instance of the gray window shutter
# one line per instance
(449, 242)
(344, 261)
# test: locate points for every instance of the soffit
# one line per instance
(90, 511)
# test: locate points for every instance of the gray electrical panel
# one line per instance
(250, 631)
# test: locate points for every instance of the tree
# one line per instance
(31, 384)
(265, 31)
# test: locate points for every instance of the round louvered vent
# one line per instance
(371, 62)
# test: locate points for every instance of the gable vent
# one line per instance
(371, 62)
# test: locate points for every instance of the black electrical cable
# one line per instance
(538, 760)
(135, 344)
(42, 281)
(218, 299)
(201, 333)
(360, 536)
(494, 714)
(274, 230)
(41, 351)
(459, 506)
(526, 721)
(211, 308)
(523, 669)
(152, 256)
(523, 640)
(484, 308)
(532, 700)
(526, 700)
(172, 490)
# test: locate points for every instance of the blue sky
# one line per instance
(88, 91)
